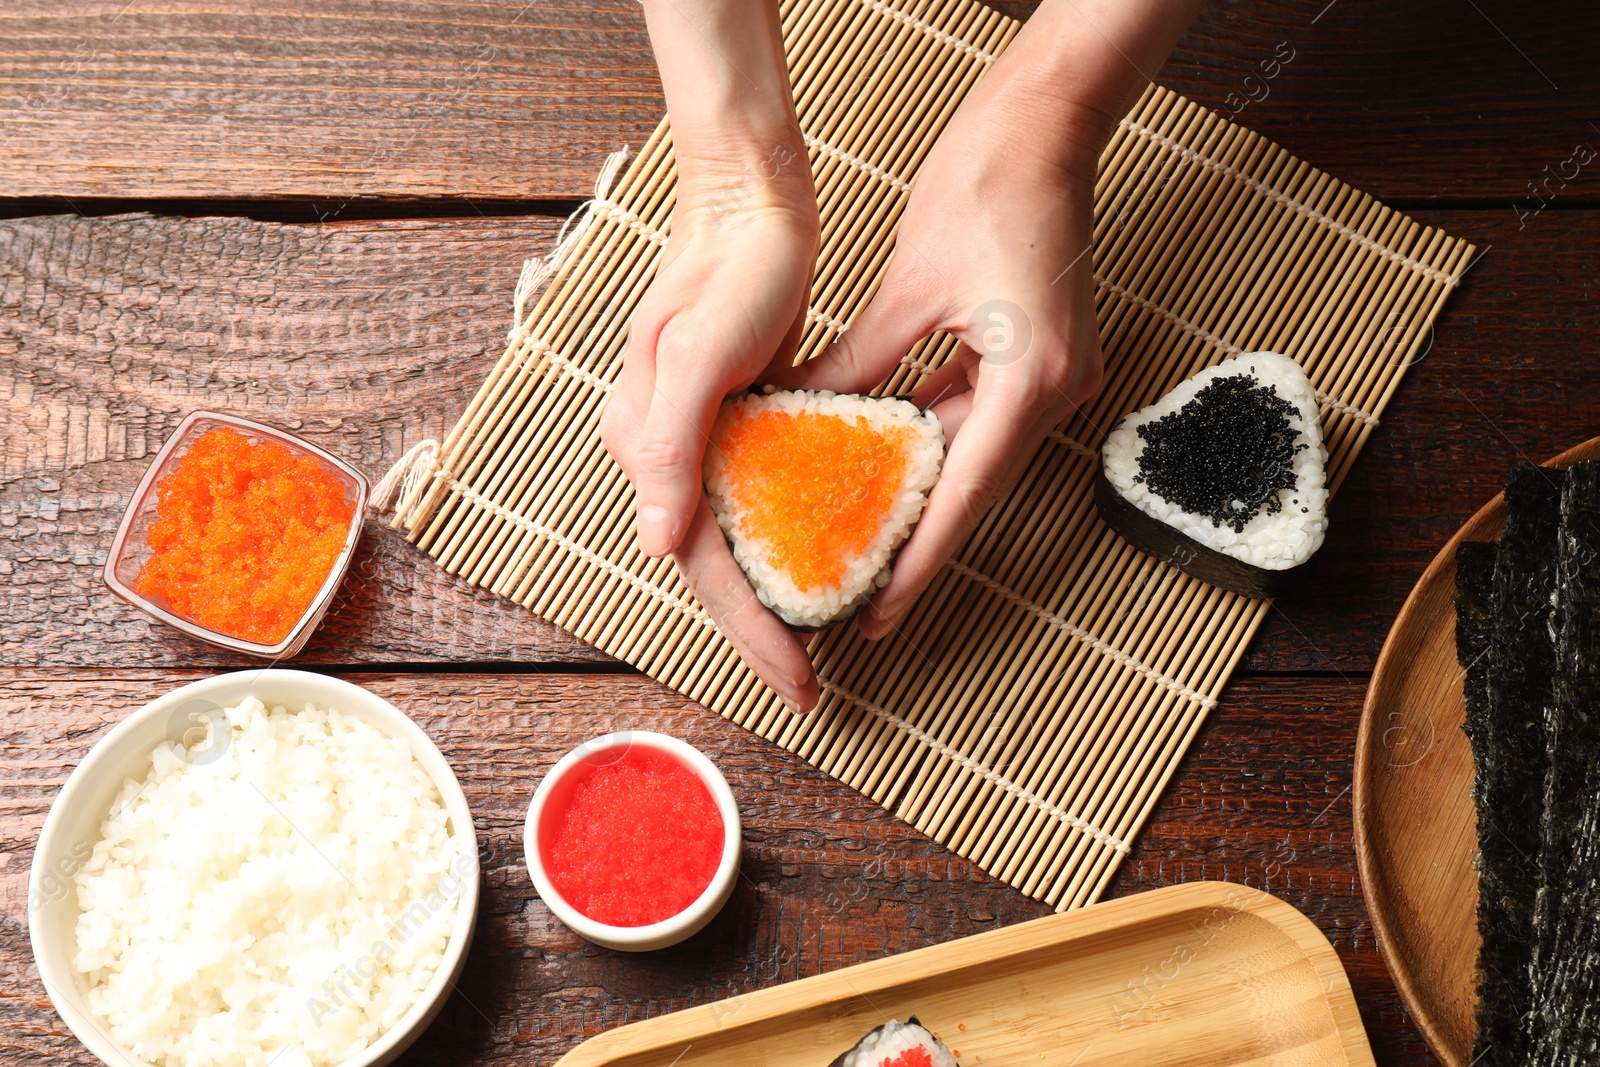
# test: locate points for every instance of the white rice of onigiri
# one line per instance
(1270, 540)
(867, 571)
(894, 1039)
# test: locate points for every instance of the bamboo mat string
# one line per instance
(407, 475)
(1323, 397)
(538, 269)
(1049, 682)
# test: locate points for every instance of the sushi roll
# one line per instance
(816, 490)
(1225, 477)
(898, 1044)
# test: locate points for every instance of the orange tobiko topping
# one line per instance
(245, 536)
(812, 489)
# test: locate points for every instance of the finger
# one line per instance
(948, 393)
(769, 647)
(665, 462)
(622, 420)
(983, 461)
(625, 410)
(783, 358)
(952, 414)
(892, 322)
(952, 379)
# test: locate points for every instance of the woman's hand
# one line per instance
(727, 304)
(995, 247)
(725, 309)
(992, 248)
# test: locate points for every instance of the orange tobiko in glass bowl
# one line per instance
(238, 535)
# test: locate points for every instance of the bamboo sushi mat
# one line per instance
(1051, 678)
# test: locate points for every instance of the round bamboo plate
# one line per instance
(1416, 834)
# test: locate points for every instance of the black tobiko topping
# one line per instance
(1226, 454)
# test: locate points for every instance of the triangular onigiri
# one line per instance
(815, 490)
(1225, 477)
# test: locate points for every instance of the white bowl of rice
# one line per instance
(269, 867)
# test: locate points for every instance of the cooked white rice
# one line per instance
(1270, 540)
(894, 1039)
(865, 573)
(285, 902)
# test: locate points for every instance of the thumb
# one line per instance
(666, 461)
(894, 320)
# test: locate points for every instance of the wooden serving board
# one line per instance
(1204, 973)
(1416, 833)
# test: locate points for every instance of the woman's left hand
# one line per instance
(994, 248)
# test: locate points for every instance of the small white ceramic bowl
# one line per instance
(73, 826)
(551, 797)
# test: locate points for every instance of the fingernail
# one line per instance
(655, 530)
(800, 706)
(876, 623)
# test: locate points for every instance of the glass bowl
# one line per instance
(131, 549)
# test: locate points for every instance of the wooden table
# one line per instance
(315, 213)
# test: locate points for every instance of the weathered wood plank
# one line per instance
(1263, 798)
(830, 878)
(363, 338)
(1431, 100)
(345, 99)
(369, 336)
(474, 99)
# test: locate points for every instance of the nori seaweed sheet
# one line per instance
(1518, 666)
(1474, 590)
(1498, 994)
(1564, 1023)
